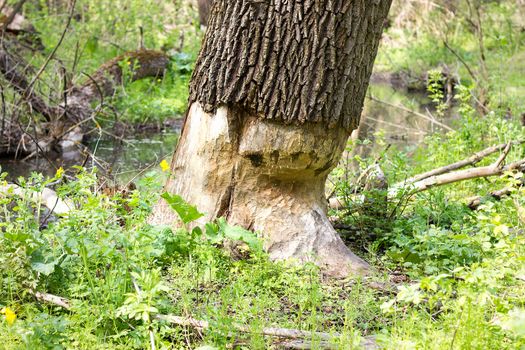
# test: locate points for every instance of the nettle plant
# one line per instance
(102, 254)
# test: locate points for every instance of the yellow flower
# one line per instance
(60, 172)
(164, 165)
(10, 315)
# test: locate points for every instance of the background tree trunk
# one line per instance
(276, 90)
(204, 7)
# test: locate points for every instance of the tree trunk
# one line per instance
(204, 10)
(276, 91)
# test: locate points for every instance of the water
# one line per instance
(125, 159)
(121, 160)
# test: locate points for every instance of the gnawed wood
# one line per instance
(276, 91)
(266, 177)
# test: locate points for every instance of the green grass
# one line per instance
(463, 286)
(452, 278)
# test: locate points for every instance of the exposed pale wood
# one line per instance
(449, 174)
(53, 299)
(456, 176)
(264, 176)
(276, 91)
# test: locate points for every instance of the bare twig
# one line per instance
(463, 62)
(503, 155)
(55, 49)
(408, 110)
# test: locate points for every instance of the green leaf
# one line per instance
(212, 233)
(187, 212)
(240, 234)
(43, 268)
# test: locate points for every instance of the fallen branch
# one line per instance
(285, 333)
(456, 176)
(52, 299)
(476, 201)
(472, 160)
(448, 174)
(269, 331)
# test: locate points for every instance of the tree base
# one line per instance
(266, 177)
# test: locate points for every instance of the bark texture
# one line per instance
(277, 89)
(290, 61)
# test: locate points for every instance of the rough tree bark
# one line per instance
(277, 89)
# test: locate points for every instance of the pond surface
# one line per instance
(128, 158)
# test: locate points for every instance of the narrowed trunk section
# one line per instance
(277, 89)
(266, 177)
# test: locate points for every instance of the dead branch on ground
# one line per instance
(290, 338)
(452, 173)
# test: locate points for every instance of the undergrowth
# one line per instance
(446, 276)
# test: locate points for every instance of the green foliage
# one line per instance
(187, 212)
(102, 30)
(435, 88)
(120, 272)
(415, 45)
(452, 278)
